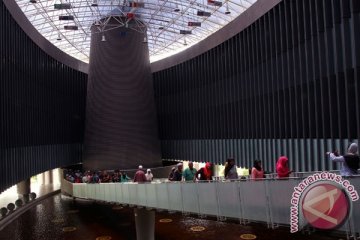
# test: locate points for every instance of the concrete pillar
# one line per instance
(23, 187)
(145, 224)
(48, 177)
(41, 177)
(121, 125)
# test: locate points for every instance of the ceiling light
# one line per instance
(61, 6)
(71, 27)
(227, 9)
(185, 43)
(33, 1)
(203, 13)
(145, 40)
(66, 17)
(177, 9)
(161, 28)
(94, 3)
(185, 32)
(97, 23)
(103, 39)
(59, 37)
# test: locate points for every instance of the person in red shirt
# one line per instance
(205, 173)
(140, 175)
(282, 167)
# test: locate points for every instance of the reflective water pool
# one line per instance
(61, 217)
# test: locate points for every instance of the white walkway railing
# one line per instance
(265, 201)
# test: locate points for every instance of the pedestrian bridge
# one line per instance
(267, 200)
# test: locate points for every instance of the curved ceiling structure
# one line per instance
(171, 25)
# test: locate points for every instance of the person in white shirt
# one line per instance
(350, 161)
(149, 176)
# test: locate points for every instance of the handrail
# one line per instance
(267, 200)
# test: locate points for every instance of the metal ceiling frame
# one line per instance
(158, 18)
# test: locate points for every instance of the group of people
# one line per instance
(141, 176)
(191, 174)
(206, 173)
(76, 176)
(350, 165)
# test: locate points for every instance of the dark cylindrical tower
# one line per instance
(121, 127)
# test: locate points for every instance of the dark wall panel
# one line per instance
(287, 84)
(42, 107)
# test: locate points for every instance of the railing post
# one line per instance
(237, 190)
(156, 196)
(182, 197)
(242, 220)
(198, 200)
(168, 197)
(145, 224)
(219, 217)
(269, 213)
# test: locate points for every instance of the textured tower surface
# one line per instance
(121, 127)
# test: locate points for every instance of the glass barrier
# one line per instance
(142, 194)
(151, 196)
(253, 199)
(162, 196)
(79, 190)
(91, 191)
(175, 196)
(229, 199)
(355, 213)
(110, 192)
(100, 191)
(190, 197)
(207, 198)
(126, 192)
(279, 194)
(266, 200)
(133, 196)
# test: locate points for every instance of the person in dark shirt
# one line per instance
(116, 177)
(178, 173)
(171, 174)
(105, 177)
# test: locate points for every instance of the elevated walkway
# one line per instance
(267, 200)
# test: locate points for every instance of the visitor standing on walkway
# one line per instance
(257, 171)
(230, 171)
(282, 167)
(350, 161)
(189, 173)
(204, 173)
(149, 176)
(178, 173)
(140, 175)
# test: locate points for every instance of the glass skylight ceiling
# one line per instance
(163, 19)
